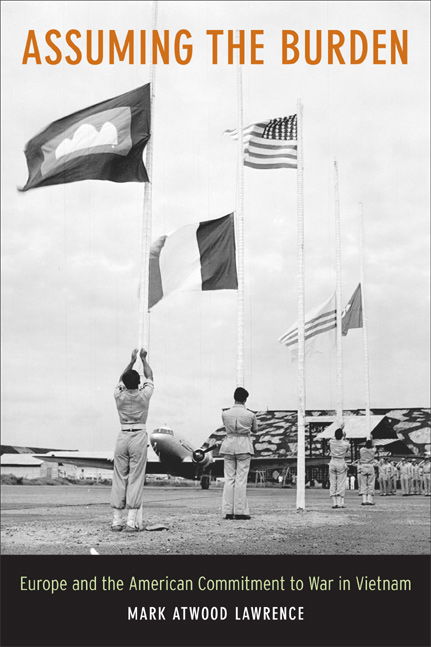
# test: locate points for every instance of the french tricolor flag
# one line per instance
(199, 256)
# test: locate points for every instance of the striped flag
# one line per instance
(320, 320)
(270, 144)
(199, 256)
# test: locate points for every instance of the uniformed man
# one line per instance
(367, 459)
(416, 477)
(237, 449)
(426, 476)
(383, 477)
(338, 448)
(394, 478)
(130, 457)
(405, 470)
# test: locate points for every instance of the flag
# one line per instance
(103, 142)
(197, 256)
(318, 321)
(352, 313)
(270, 144)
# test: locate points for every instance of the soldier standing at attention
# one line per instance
(426, 476)
(237, 449)
(404, 468)
(416, 478)
(338, 448)
(394, 478)
(383, 477)
(367, 475)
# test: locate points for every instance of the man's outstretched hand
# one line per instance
(142, 353)
(134, 354)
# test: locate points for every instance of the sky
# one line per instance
(70, 253)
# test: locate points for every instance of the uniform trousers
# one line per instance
(130, 460)
(426, 483)
(367, 479)
(236, 468)
(337, 477)
(384, 484)
(405, 484)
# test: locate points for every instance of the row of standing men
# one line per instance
(414, 476)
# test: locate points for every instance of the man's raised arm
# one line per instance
(130, 364)
(148, 372)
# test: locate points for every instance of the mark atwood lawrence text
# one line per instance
(215, 613)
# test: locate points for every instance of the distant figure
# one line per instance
(416, 470)
(405, 469)
(130, 457)
(383, 476)
(237, 449)
(367, 474)
(394, 478)
(426, 476)
(338, 448)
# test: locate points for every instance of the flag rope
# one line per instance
(364, 318)
(300, 460)
(144, 313)
(239, 226)
(339, 297)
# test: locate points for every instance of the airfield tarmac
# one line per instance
(74, 519)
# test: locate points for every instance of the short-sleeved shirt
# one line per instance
(384, 470)
(367, 455)
(338, 448)
(239, 423)
(405, 469)
(133, 404)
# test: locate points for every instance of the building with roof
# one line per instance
(20, 465)
(407, 430)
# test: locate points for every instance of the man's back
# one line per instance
(133, 404)
(239, 422)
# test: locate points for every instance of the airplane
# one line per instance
(177, 457)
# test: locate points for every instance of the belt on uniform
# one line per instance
(132, 428)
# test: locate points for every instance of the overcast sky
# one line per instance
(70, 254)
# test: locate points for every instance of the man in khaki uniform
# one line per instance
(405, 472)
(237, 449)
(426, 474)
(130, 457)
(338, 448)
(366, 471)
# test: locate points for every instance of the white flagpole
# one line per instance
(144, 314)
(239, 226)
(300, 465)
(364, 317)
(339, 297)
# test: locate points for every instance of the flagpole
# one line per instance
(300, 464)
(239, 226)
(364, 317)
(339, 297)
(144, 313)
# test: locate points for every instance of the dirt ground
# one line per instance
(76, 519)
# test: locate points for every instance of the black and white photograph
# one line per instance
(274, 219)
(215, 279)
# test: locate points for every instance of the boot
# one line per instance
(341, 502)
(117, 521)
(131, 520)
(364, 499)
(334, 502)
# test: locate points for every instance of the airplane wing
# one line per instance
(105, 460)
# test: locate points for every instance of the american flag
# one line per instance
(270, 144)
(319, 320)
